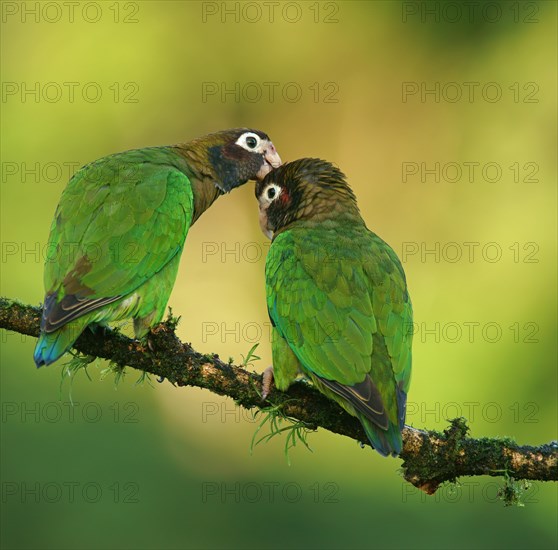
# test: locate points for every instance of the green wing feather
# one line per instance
(338, 296)
(121, 222)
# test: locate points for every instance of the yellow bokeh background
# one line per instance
(372, 87)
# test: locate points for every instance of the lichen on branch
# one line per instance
(430, 458)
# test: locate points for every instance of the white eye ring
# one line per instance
(271, 192)
(249, 141)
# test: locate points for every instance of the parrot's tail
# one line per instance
(386, 442)
(51, 346)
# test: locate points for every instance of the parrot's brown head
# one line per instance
(235, 156)
(305, 190)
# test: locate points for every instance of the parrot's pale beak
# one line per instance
(271, 160)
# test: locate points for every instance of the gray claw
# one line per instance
(267, 381)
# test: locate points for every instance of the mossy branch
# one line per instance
(429, 457)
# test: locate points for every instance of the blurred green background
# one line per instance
(145, 466)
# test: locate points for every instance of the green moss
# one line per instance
(273, 416)
(456, 432)
(144, 377)
(172, 321)
(505, 440)
(117, 370)
(250, 357)
(78, 363)
(434, 466)
(513, 491)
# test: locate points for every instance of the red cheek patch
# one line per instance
(285, 198)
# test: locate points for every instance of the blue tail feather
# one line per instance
(386, 442)
(51, 346)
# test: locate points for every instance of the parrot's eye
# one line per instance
(271, 192)
(248, 141)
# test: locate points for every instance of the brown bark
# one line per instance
(429, 457)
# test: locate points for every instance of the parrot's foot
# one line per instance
(147, 341)
(267, 381)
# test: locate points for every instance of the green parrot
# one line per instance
(119, 230)
(337, 299)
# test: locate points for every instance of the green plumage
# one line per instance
(337, 297)
(119, 230)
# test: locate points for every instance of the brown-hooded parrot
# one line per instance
(337, 298)
(119, 230)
